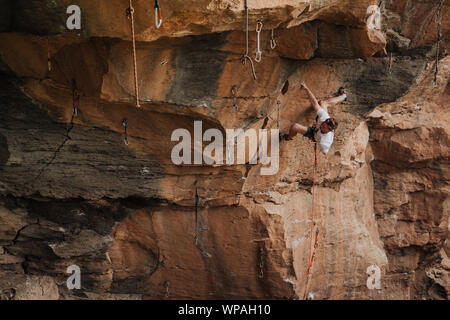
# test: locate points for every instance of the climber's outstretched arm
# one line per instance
(312, 98)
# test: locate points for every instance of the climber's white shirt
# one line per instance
(324, 140)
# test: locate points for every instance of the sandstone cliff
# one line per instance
(72, 193)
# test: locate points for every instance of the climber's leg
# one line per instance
(298, 128)
(342, 96)
(335, 100)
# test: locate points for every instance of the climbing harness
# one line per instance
(316, 244)
(259, 27)
(49, 62)
(278, 117)
(158, 15)
(438, 44)
(273, 43)
(197, 201)
(246, 57)
(75, 98)
(234, 93)
(261, 262)
(130, 14)
(125, 136)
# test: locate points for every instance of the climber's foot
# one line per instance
(284, 136)
(341, 91)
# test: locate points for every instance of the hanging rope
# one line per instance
(125, 135)
(312, 254)
(49, 62)
(273, 43)
(246, 57)
(234, 94)
(75, 98)
(259, 27)
(158, 15)
(130, 14)
(197, 201)
(438, 44)
(311, 262)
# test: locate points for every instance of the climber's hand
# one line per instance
(303, 84)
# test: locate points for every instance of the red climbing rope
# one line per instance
(311, 262)
(311, 252)
(130, 12)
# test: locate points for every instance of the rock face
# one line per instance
(141, 227)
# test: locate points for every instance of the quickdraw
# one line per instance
(278, 117)
(246, 57)
(261, 262)
(75, 98)
(125, 135)
(390, 63)
(273, 43)
(158, 15)
(130, 14)
(166, 286)
(438, 44)
(259, 27)
(234, 93)
(49, 61)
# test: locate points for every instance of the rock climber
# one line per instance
(323, 131)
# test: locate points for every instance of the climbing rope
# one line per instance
(273, 43)
(311, 262)
(125, 136)
(75, 98)
(259, 27)
(197, 201)
(261, 262)
(158, 15)
(130, 14)
(234, 94)
(312, 253)
(49, 62)
(438, 44)
(246, 57)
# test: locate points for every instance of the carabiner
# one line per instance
(259, 27)
(273, 43)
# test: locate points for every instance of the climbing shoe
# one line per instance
(341, 91)
(284, 136)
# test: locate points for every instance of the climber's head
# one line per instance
(328, 125)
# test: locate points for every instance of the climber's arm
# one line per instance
(311, 96)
